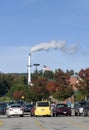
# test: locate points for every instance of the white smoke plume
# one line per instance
(72, 50)
(54, 45)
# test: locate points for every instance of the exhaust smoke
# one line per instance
(54, 45)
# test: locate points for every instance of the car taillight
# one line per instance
(21, 109)
(7, 108)
(10, 109)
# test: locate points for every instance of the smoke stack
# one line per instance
(29, 69)
(46, 46)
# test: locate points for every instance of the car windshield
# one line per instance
(1, 107)
(61, 106)
(29, 105)
(82, 104)
(87, 104)
(43, 104)
(15, 106)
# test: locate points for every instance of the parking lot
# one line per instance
(44, 123)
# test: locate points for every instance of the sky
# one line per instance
(54, 32)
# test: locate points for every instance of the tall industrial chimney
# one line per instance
(29, 69)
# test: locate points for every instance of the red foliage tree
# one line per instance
(17, 95)
(52, 87)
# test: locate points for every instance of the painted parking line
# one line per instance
(39, 124)
(0, 122)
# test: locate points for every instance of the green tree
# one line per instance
(48, 74)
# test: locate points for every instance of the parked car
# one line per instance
(41, 108)
(9, 103)
(61, 109)
(79, 107)
(27, 108)
(33, 110)
(2, 109)
(86, 109)
(4, 106)
(15, 110)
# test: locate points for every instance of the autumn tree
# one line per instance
(17, 95)
(83, 84)
(38, 89)
(62, 79)
(52, 87)
(48, 74)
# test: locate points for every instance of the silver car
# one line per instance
(14, 110)
(79, 107)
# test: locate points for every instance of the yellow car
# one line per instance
(42, 108)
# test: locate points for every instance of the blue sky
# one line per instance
(28, 23)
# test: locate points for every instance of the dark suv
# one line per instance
(2, 109)
(86, 109)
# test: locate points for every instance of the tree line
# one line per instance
(14, 86)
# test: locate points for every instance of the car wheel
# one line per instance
(56, 114)
(31, 115)
(21, 115)
(76, 114)
(79, 114)
(53, 114)
(8, 116)
(84, 113)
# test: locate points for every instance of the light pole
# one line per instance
(36, 66)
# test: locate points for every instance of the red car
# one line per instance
(61, 109)
(33, 110)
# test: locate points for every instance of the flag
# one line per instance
(46, 68)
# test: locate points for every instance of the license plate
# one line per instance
(16, 112)
(64, 112)
(42, 109)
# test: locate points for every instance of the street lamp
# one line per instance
(36, 65)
